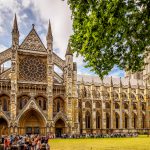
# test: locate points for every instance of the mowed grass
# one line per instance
(138, 143)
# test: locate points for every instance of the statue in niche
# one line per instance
(58, 105)
(5, 105)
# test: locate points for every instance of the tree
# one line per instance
(111, 32)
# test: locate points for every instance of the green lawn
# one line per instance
(139, 143)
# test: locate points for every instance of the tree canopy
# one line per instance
(111, 32)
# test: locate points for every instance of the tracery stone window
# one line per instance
(87, 105)
(117, 120)
(107, 105)
(5, 101)
(134, 106)
(143, 121)
(107, 121)
(117, 106)
(143, 106)
(84, 92)
(42, 102)
(106, 95)
(115, 96)
(32, 69)
(125, 106)
(141, 97)
(98, 105)
(88, 120)
(98, 120)
(126, 119)
(132, 96)
(134, 116)
(124, 96)
(23, 101)
(5, 105)
(58, 105)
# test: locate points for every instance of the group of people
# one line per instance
(27, 142)
(37, 142)
(101, 135)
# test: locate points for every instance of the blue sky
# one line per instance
(38, 12)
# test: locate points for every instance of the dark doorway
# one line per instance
(59, 128)
(32, 130)
(3, 127)
(58, 132)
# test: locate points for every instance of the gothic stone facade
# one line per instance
(36, 99)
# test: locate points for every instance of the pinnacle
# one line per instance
(68, 51)
(15, 25)
(49, 34)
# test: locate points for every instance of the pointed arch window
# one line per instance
(107, 121)
(97, 120)
(44, 104)
(117, 121)
(143, 121)
(126, 121)
(134, 121)
(5, 105)
(58, 105)
(88, 120)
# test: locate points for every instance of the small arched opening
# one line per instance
(58, 106)
(117, 119)
(3, 127)
(88, 120)
(59, 128)
(98, 120)
(32, 122)
(107, 121)
(126, 120)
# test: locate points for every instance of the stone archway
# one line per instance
(32, 122)
(60, 128)
(3, 127)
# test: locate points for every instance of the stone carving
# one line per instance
(33, 42)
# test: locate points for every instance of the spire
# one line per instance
(15, 33)
(68, 51)
(15, 25)
(49, 33)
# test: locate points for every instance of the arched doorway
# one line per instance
(59, 128)
(3, 127)
(32, 122)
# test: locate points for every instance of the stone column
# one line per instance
(83, 117)
(103, 116)
(94, 118)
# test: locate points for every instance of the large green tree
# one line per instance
(111, 32)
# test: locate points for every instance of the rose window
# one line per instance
(33, 69)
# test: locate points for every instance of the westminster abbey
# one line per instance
(34, 98)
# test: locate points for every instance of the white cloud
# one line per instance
(2, 47)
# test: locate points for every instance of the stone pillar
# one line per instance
(103, 116)
(139, 115)
(14, 88)
(94, 118)
(130, 115)
(121, 120)
(83, 117)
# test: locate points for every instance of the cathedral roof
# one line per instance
(107, 81)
